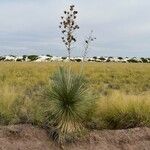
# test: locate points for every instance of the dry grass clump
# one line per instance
(21, 106)
(119, 110)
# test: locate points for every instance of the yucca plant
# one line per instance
(69, 99)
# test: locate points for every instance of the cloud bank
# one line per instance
(122, 28)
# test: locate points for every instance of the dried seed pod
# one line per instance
(63, 31)
(68, 26)
(75, 12)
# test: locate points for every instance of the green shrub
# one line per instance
(2, 58)
(64, 58)
(69, 100)
(144, 60)
(49, 55)
(33, 57)
(132, 60)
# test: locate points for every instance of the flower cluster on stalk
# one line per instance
(68, 25)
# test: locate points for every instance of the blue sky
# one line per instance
(122, 27)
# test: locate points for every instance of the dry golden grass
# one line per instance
(121, 90)
(120, 110)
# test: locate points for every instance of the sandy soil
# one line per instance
(27, 137)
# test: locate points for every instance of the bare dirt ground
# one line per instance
(27, 137)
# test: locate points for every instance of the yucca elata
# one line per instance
(69, 99)
(68, 26)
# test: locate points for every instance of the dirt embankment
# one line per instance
(27, 137)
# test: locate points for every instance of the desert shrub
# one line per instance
(132, 60)
(120, 58)
(94, 57)
(24, 57)
(49, 55)
(102, 58)
(78, 60)
(108, 60)
(19, 59)
(2, 58)
(64, 58)
(69, 100)
(33, 57)
(144, 60)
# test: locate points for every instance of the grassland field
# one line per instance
(122, 93)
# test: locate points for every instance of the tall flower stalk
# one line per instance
(68, 27)
(87, 43)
